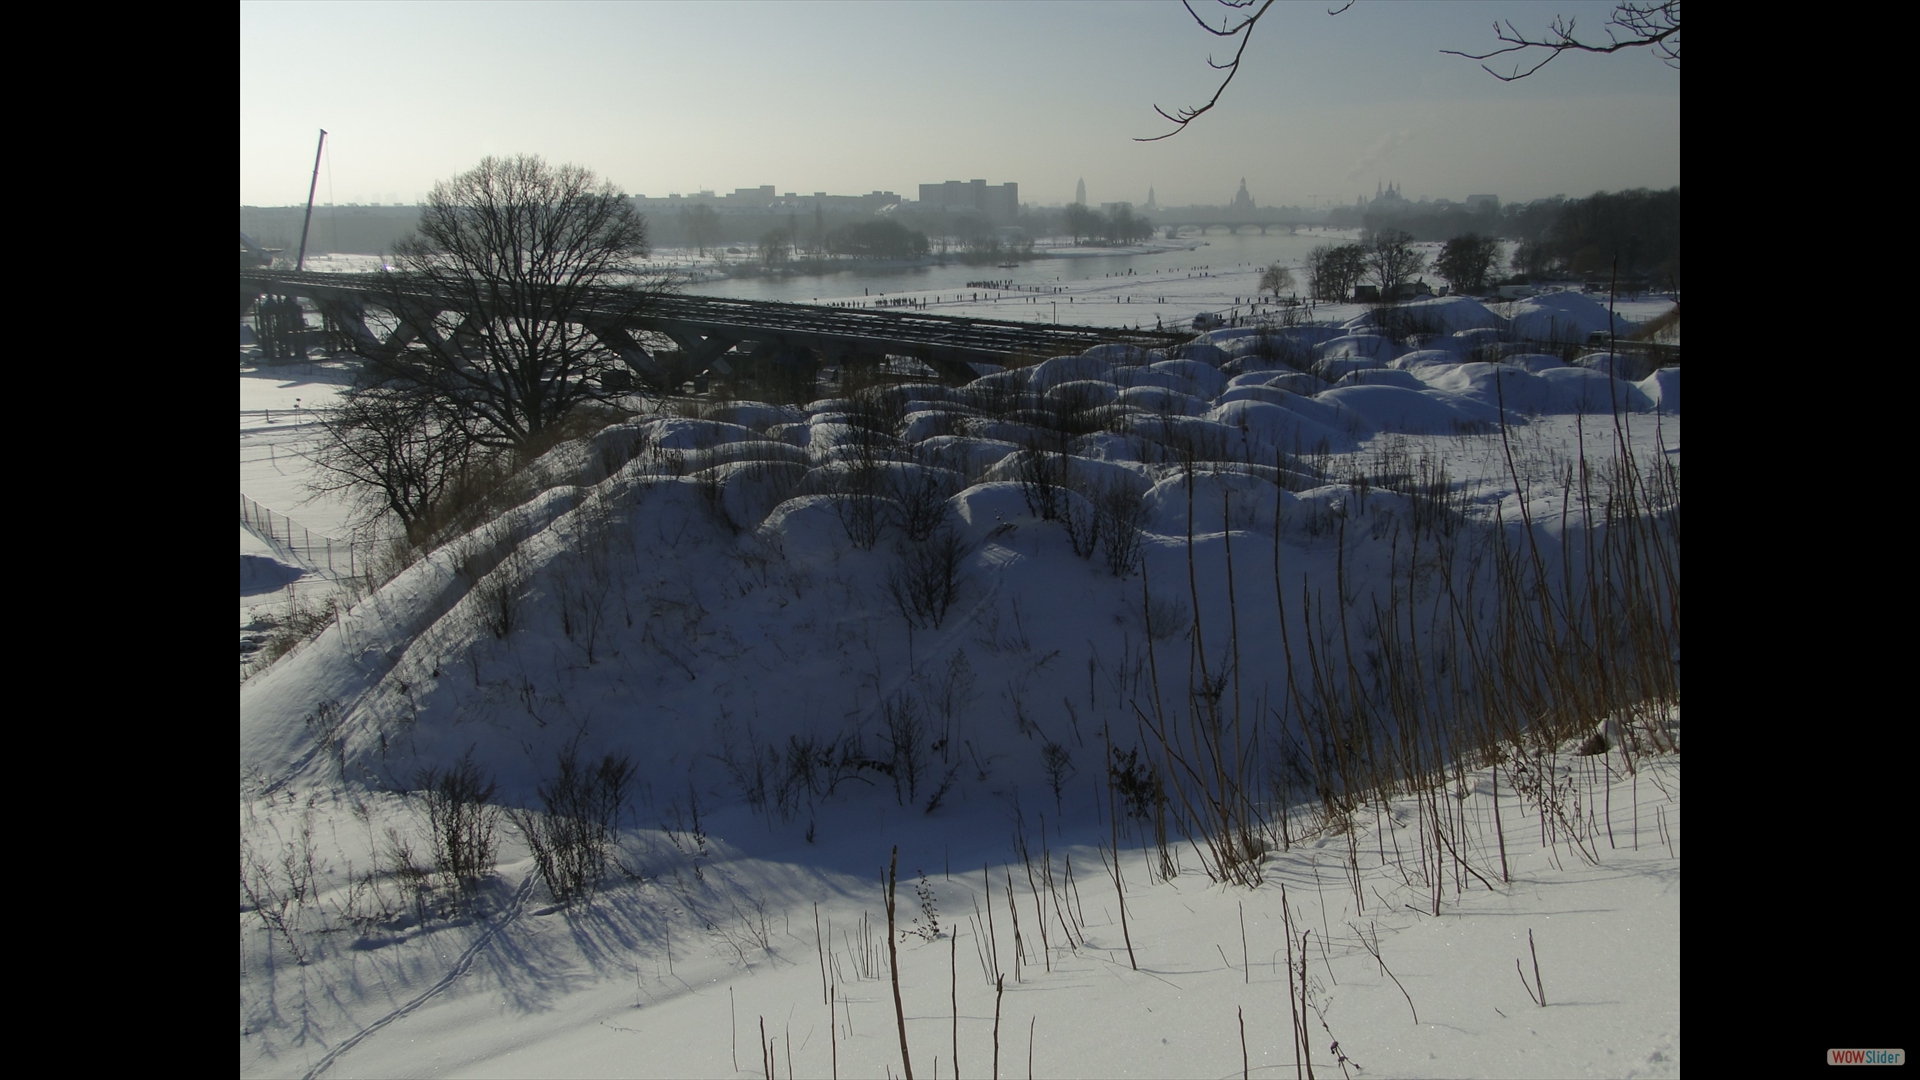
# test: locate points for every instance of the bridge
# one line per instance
(1234, 225)
(707, 328)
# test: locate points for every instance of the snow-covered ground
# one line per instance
(1163, 283)
(687, 591)
(277, 431)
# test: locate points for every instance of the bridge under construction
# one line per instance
(705, 329)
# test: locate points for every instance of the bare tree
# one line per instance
(513, 292)
(1392, 258)
(1276, 279)
(1468, 261)
(1082, 221)
(1634, 24)
(775, 248)
(1333, 270)
(400, 449)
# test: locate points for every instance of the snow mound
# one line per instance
(1156, 399)
(1081, 393)
(1663, 389)
(1579, 390)
(971, 455)
(1564, 316)
(1381, 377)
(1440, 315)
(986, 508)
(684, 433)
(1554, 391)
(1199, 378)
(1061, 369)
(1202, 352)
(1358, 346)
(1535, 362)
(1220, 501)
(1290, 425)
(1424, 358)
(1407, 411)
(1337, 366)
(1128, 355)
(757, 415)
(1630, 366)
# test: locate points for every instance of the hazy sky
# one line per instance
(852, 97)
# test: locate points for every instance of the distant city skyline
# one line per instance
(824, 97)
(772, 193)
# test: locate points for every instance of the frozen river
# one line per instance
(1203, 273)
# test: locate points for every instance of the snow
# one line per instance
(686, 591)
(1563, 316)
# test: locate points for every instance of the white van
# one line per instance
(1209, 320)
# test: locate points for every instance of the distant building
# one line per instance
(764, 199)
(1080, 193)
(1388, 197)
(1152, 204)
(1242, 202)
(999, 203)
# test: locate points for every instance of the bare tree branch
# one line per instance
(1242, 30)
(1654, 25)
(1635, 24)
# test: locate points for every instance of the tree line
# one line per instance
(1639, 227)
(1388, 259)
(1122, 226)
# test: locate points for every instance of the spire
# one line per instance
(1080, 193)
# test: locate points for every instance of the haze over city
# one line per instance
(845, 98)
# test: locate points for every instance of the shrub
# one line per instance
(920, 493)
(1042, 475)
(461, 819)
(573, 839)
(1058, 761)
(1121, 510)
(925, 581)
(860, 505)
(906, 737)
(1137, 784)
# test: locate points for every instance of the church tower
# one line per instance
(1080, 193)
(1242, 202)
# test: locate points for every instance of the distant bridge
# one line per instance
(706, 328)
(1233, 225)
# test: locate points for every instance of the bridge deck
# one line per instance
(862, 330)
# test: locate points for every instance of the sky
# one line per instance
(662, 98)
